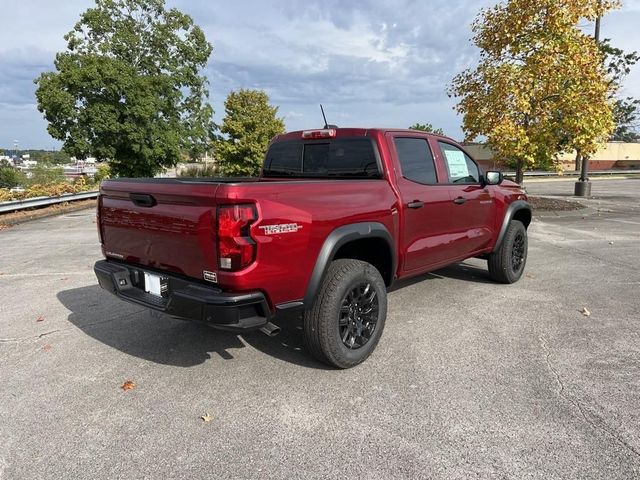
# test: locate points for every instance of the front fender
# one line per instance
(512, 210)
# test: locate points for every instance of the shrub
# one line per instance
(206, 170)
(11, 177)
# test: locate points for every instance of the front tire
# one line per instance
(507, 263)
(346, 320)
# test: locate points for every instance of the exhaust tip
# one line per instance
(270, 329)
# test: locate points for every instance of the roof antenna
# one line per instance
(326, 125)
(324, 116)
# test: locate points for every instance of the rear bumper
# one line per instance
(185, 299)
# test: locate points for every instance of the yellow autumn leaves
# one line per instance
(540, 87)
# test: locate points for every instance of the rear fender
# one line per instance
(338, 238)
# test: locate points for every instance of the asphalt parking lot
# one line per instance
(470, 380)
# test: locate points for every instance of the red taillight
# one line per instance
(98, 222)
(326, 133)
(236, 248)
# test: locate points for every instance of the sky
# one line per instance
(370, 63)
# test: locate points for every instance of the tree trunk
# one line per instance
(578, 160)
(519, 172)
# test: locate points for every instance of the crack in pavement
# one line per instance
(25, 339)
(602, 425)
(41, 335)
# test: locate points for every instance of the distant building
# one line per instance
(612, 156)
(28, 163)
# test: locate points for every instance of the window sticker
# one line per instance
(457, 164)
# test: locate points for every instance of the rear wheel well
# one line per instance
(524, 216)
(375, 251)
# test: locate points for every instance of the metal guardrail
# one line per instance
(44, 201)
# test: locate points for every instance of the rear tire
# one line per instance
(507, 263)
(346, 320)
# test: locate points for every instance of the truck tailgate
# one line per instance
(167, 225)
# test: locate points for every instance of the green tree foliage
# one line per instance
(426, 127)
(626, 112)
(540, 87)
(128, 88)
(250, 123)
(49, 157)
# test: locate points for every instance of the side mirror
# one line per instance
(493, 178)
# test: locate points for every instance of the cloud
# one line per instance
(369, 62)
(18, 69)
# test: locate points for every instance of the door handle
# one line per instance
(415, 204)
(460, 200)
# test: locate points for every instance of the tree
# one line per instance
(626, 114)
(249, 124)
(540, 87)
(426, 127)
(128, 88)
(625, 109)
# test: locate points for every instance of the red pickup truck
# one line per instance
(335, 218)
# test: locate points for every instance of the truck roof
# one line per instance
(351, 132)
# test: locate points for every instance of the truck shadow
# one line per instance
(159, 338)
(156, 337)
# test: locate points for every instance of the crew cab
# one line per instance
(335, 218)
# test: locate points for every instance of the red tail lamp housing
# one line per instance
(236, 248)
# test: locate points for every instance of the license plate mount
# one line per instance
(153, 284)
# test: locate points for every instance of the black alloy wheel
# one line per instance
(358, 316)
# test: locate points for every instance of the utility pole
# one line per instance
(583, 186)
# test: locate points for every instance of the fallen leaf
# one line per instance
(46, 348)
(40, 318)
(128, 385)
(206, 418)
(585, 312)
(65, 278)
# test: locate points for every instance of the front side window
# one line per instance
(460, 167)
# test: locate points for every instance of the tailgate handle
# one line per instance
(142, 199)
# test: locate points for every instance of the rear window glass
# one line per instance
(416, 160)
(342, 157)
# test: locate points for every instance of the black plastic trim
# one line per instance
(508, 216)
(187, 299)
(290, 305)
(143, 199)
(336, 239)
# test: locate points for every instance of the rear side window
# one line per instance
(460, 168)
(416, 160)
(342, 157)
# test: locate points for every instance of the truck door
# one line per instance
(471, 204)
(425, 240)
